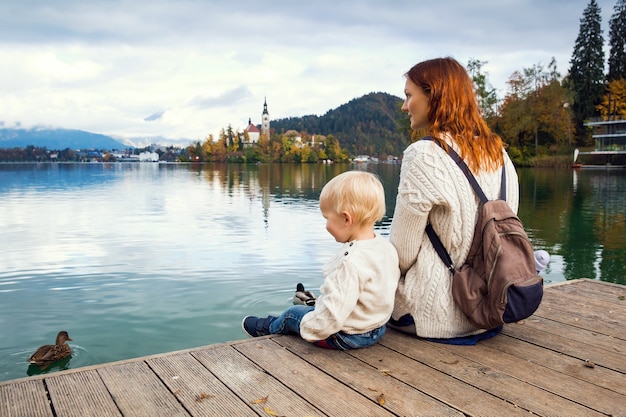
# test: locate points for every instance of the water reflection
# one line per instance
(136, 259)
(599, 203)
(579, 216)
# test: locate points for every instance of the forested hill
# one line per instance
(369, 125)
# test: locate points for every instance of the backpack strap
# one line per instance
(432, 235)
(441, 250)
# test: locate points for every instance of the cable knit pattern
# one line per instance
(432, 187)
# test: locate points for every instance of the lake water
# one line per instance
(137, 259)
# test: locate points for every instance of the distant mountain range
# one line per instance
(58, 139)
(372, 125)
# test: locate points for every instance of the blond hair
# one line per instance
(359, 193)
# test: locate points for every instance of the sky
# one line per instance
(185, 69)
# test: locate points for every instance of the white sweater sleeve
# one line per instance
(340, 292)
(358, 290)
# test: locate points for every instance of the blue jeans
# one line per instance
(289, 323)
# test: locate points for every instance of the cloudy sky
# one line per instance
(187, 68)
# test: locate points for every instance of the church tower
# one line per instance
(265, 121)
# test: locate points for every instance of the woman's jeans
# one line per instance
(289, 323)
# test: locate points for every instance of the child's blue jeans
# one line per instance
(289, 323)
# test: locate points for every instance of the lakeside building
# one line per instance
(265, 120)
(610, 142)
(255, 131)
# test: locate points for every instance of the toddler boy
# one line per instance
(357, 295)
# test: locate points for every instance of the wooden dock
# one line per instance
(569, 359)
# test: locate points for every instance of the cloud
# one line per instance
(103, 65)
(228, 98)
(154, 116)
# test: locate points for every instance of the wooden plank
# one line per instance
(586, 321)
(567, 346)
(459, 395)
(488, 379)
(598, 375)
(329, 395)
(24, 399)
(569, 327)
(583, 306)
(596, 398)
(138, 392)
(398, 397)
(200, 392)
(598, 290)
(252, 384)
(81, 394)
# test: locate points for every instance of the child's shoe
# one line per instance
(257, 326)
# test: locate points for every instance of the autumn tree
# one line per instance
(264, 148)
(617, 42)
(220, 148)
(207, 147)
(554, 116)
(246, 137)
(196, 152)
(276, 148)
(516, 118)
(332, 148)
(535, 112)
(614, 101)
(586, 74)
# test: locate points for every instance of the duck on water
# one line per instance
(48, 354)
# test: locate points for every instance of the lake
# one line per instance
(134, 259)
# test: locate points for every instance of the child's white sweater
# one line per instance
(358, 291)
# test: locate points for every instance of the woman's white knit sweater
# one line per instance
(432, 187)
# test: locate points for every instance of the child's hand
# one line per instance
(303, 297)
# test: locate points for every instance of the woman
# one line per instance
(440, 101)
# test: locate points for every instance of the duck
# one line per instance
(303, 297)
(47, 354)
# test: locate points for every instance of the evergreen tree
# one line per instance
(230, 134)
(617, 42)
(587, 67)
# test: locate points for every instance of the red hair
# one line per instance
(453, 109)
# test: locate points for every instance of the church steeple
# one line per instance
(265, 121)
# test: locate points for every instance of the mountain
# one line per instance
(57, 139)
(369, 125)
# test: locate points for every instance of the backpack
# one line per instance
(498, 283)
